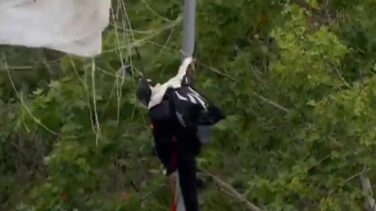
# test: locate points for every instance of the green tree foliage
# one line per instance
(296, 79)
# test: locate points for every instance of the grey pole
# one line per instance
(189, 20)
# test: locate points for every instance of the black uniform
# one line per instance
(175, 124)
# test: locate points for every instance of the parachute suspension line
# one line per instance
(87, 93)
(131, 43)
(119, 74)
(128, 21)
(93, 88)
(29, 112)
(169, 21)
(121, 16)
(138, 54)
(155, 13)
(114, 18)
(130, 46)
(20, 97)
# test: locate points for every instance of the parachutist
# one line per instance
(178, 113)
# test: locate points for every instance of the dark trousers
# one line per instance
(179, 153)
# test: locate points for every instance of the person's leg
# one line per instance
(188, 148)
(187, 180)
(165, 155)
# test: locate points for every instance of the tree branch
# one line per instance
(216, 71)
(280, 107)
(151, 193)
(232, 192)
(370, 202)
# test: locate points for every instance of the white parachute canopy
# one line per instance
(71, 26)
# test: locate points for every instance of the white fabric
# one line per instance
(70, 26)
(179, 200)
(158, 91)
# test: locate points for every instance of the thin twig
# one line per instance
(367, 190)
(271, 102)
(155, 12)
(354, 176)
(319, 162)
(215, 70)
(165, 43)
(342, 78)
(348, 180)
(151, 193)
(233, 192)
